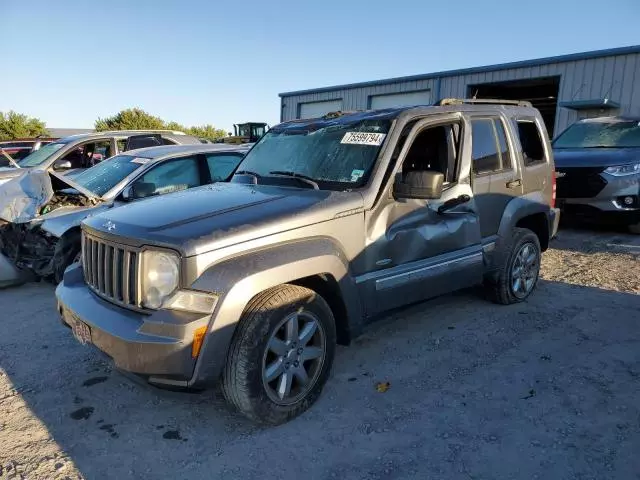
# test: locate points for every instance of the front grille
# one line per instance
(111, 270)
(580, 182)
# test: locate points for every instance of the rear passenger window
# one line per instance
(484, 147)
(531, 141)
(221, 165)
(490, 151)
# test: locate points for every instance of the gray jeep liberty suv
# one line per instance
(327, 223)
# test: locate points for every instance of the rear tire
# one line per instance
(281, 355)
(518, 276)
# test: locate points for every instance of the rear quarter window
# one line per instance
(530, 141)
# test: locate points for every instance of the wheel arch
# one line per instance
(318, 264)
(528, 211)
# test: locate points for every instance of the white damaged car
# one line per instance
(41, 211)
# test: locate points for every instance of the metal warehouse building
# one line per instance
(564, 88)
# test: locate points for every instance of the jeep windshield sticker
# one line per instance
(141, 161)
(363, 138)
(356, 175)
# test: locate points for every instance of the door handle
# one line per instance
(514, 183)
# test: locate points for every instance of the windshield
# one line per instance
(41, 155)
(336, 156)
(106, 175)
(615, 134)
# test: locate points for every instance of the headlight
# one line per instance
(160, 277)
(622, 170)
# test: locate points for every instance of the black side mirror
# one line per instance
(421, 184)
(62, 164)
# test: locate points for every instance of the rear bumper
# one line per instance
(156, 347)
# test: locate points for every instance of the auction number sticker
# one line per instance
(363, 138)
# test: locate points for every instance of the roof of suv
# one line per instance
(447, 105)
(123, 133)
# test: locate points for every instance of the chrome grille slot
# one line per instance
(111, 270)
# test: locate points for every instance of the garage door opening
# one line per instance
(541, 92)
(318, 109)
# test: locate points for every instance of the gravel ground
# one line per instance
(545, 389)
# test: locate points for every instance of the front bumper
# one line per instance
(10, 275)
(154, 346)
(608, 199)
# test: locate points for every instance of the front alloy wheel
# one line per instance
(281, 354)
(293, 358)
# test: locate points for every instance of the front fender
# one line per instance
(58, 222)
(237, 280)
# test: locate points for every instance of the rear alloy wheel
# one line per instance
(524, 271)
(281, 354)
(518, 276)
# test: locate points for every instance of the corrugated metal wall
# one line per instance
(615, 76)
(352, 98)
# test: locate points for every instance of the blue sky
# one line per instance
(203, 61)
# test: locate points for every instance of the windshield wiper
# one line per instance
(10, 158)
(299, 176)
(247, 172)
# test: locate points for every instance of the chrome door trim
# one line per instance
(421, 269)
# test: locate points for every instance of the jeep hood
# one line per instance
(595, 157)
(215, 216)
(23, 196)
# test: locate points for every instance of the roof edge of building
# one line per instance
(571, 57)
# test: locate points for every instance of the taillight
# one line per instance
(553, 189)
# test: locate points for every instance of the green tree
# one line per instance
(130, 119)
(137, 119)
(207, 131)
(176, 126)
(15, 125)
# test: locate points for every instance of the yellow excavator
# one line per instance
(249, 132)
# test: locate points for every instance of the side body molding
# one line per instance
(237, 280)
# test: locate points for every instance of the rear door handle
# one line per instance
(514, 183)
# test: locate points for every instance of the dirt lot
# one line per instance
(547, 389)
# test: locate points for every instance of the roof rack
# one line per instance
(483, 101)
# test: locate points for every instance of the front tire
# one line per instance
(518, 276)
(281, 355)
